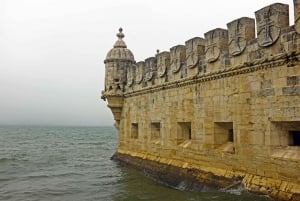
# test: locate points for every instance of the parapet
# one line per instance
(221, 49)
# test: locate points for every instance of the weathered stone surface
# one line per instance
(215, 42)
(270, 20)
(194, 49)
(163, 64)
(240, 32)
(140, 72)
(218, 112)
(177, 57)
(297, 15)
(291, 90)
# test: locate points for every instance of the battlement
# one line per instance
(226, 106)
(221, 50)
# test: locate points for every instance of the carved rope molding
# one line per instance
(291, 58)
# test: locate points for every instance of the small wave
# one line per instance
(67, 174)
(5, 160)
(91, 143)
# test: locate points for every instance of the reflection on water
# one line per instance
(134, 186)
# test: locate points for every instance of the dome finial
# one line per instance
(119, 51)
(120, 35)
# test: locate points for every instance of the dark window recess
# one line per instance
(184, 131)
(294, 138)
(134, 130)
(155, 130)
(230, 135)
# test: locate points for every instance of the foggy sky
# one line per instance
(52, 51)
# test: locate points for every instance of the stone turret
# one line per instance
(118, 60)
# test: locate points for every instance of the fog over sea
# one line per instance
(73, 164)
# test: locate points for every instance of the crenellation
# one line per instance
(228, 104)
(131, 76)
(150, 71)
(269, 22)
(240, 32)
(195, 51)
(163, 67)
(297, 15)
(216, 49)
(140, 74)
(177, 59)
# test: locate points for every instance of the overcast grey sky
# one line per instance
(52, 51)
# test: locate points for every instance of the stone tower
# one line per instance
(118, 59)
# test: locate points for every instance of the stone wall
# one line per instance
(228, 104)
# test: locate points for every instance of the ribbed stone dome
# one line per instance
(120, 51)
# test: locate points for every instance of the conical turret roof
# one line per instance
(119, 51)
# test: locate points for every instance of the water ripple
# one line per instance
(73, 163)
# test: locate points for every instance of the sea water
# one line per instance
(73, 163)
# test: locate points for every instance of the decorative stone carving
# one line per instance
(269, 21)
(177, 57)
(117, 61)
(150, 68)
(131, 75)
(163, 63)
(240, 31)
(215, 41)
(139, 73)
(297, 15)
(194, 48)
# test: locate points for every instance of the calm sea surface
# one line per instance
(73, 163)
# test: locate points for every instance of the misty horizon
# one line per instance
(52, 51)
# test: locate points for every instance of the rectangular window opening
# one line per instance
(134, 130)
(285, 133)
(294, 138)
(155, 130)
(184, 131)
(223, 132)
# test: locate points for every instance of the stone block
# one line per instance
(293, 90)
(240, 31)
(216, 41)
(269, 22)
(163, 67)
(194, 50)
(297, 15)
(177, 56)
